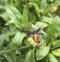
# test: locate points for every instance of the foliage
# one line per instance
(18, 46)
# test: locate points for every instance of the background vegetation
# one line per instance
(17, 46)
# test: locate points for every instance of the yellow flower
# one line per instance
(54, 9)
(51, 0)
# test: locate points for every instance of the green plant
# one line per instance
(16, 45)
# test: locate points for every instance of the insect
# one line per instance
(32, 31)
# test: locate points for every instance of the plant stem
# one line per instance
(9, 50)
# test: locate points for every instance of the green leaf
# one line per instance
(13, 13)
(21, 58)
(43, 4)
(7, 56)
(32, 17)
(5, 16)
(17, 40)
(16, 12)
(51, 32)
(57, 19)
(56, 52)
(41, 25)
(25, 14)
(2, 38)
(1, 7)
(13, 56)
(25, 22)
(56, 43)
(58, 59)
(49, 7)
(52, 58)
(16, 23)
(12, 28)
(30, 56)
(10, 13)
(47, 19)
(37, 9)
(41, 53)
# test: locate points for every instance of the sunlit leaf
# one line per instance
(41, 53)
(16, 23)
(41, 25)
(47, 19)
(52, 58)
(43, 4)
(56, 52)
(10, 13)
(16, 12)
(56, 43)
